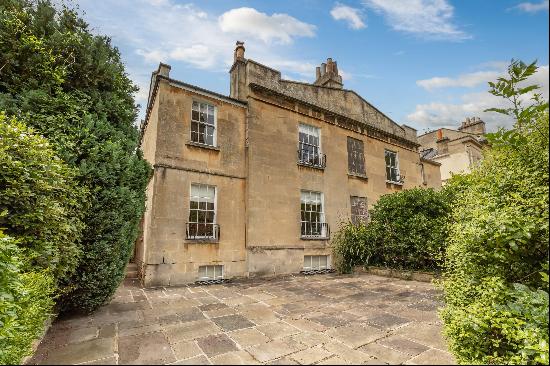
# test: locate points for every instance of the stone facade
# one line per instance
(456, 150)
(254, 164)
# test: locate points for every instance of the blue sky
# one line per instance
(425, 63)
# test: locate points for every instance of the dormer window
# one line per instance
(203, 124)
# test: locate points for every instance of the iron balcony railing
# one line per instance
(312, 158)
(314, 230)
(202, 231)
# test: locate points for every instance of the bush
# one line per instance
(40, 211)
(42, 201)
(496, 270)
(70, 86)
(25, 303)
(407, 230)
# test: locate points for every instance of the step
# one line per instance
(131, 274)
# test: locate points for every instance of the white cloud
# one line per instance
(440, 114)
(529, 7)
(425, 18)
(465, 80)
(151, 31)
(252, 23)
(351, 15)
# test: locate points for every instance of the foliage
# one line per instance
(70, 85)
(407, 230)
(25, 303)
(496, 270)
(40, 205)
(42, 200)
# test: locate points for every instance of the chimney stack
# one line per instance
(327, 75)
(239, 51)
(473, 125)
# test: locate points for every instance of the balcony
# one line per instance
(314, 230)
(312, 159)
(202, 232)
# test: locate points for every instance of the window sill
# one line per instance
(395, 183)
(314, 238)
(202, 241)
(204, 146)
(358, 176)
(318, 167)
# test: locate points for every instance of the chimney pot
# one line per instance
(318, 72)
(440, 134)
(239, 51)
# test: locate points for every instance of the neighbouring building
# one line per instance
(456, 150)
(253, 183)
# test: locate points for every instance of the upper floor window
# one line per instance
(203, 124)
(356, 156)
(359, 210)
(202, 213)
(392, 167)
(309, 146)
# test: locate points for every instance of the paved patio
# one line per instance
(320, 319)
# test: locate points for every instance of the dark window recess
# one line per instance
(359, 210)
(356, 156)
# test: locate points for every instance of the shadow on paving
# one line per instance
(322, 319)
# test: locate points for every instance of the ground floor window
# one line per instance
(202, 212)
(213, 272)
(315, 262)
(312, 215)
(359, 210)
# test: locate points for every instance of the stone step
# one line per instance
(131, 270)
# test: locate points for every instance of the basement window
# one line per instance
(315, 262)
(203, 124)
(212, 272)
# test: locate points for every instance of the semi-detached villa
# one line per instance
(253, 183)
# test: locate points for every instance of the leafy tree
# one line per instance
(496, 270)
(70, 85)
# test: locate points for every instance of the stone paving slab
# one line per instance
(322, 319)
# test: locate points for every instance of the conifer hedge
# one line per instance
(70, 86)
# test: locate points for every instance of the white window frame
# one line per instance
(305, 128)
(211, 267)
(388, 179)
(215, 134)
(322, 217)
(215, 208)
(317, 258)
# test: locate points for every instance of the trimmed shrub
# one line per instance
(496, 270)
(25, 303)
(407, 230)
(42, 201)
(70, 85)
(40, 229)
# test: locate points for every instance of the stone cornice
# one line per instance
(331, 117)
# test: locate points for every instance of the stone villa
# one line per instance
(253, 183)
(456, 150)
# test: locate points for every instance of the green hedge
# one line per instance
(70, 85)
(496, 271)
(407, 230)
(40, 230)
